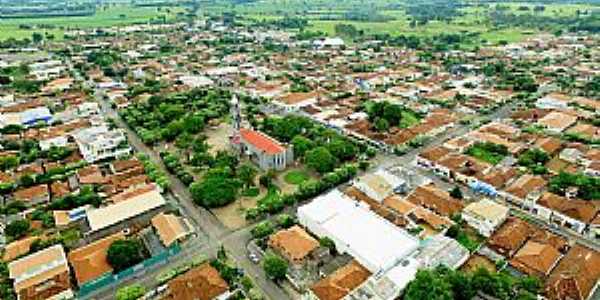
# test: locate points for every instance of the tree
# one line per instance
(342, 149)
(130, 292)
(428, 284)
(301, 145)
(275, 267)
(37, 37)
(285, 221)
(17, 229)
(247, 173)
(215, 191)
(328, 243)
(456, 193)
(123, 254)
(262, 230)
(321, 160)
(382, 125)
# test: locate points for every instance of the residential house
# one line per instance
(42, 275)
(525, 191)
(485, 216)
(200, 283)
(379, 184)
(34, 195)
(557, 122)
(89, 262)
(100, 142)
(576, 276)
(436, 200)
(339, 284)
(294, 244)
(294, 102)
(536, 259)
(574, 214)
(171, 228)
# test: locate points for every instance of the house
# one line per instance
(264, 150)
(536, 259)
(334, 42)
(42, 275)
(510, 237)
(196, 81)
(553, 101)
(294, 102)
(89, 262)
(430, 156)
(201, 283)
(171, 228)
(34, 195)
(138, 206)
(379, 184)
(436, 200)
(526, 190)
(339, 284)
(557, 122)
(100, 142)
(576, 276)
(574, 214)
(294, 244)
(571, 155)
(485, 216)
(440, 250)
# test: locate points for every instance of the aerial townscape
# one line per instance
(300, 149)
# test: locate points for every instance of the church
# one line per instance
(263, 150)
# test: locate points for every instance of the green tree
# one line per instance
(382, 125)
(214, 191)
(37, 37)
(247, 173)
(328, 243)
(321, 160)
(262, 230)
(456, 193)
(123, 254)
(428, 284)
(17, 229)
(301, 145)
(130, 292)
(275, 267)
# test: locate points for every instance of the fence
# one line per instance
(109, 278)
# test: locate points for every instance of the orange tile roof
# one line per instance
(30, 193)
(89, 262)
(343, 281)
(581, 210)
(536, 259)
(510, 237)
(201, 283)
(575, 276)
(170, 228)
(429, 196)
(293, 243)
(18, 248)
(262, 141)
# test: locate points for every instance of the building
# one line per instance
(379, 185)
(263, 150)
(439, 250)
(89, 262)
(100, 142)
(200, 283)
(485, 216)
(42, 275)
(380, 246)
(375, 243)
(576, 276)
(557, 122)
(294, 244)
(293, 102)
(34, 195)
(574, 214)
(340, 283)
(436, 200)
(171, 228)
(536, 259)
(139, 206)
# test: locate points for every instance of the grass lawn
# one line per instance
(296, 177)
(484, 153)
(409, 119)
(251, 192)
(104, 17)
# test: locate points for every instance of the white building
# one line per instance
(379, 185)
(100, 142)
(380, 246)
(485, 216)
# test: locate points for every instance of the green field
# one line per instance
(104, 17)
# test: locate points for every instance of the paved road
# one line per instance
(217, 234)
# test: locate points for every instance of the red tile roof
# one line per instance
(261, 141)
